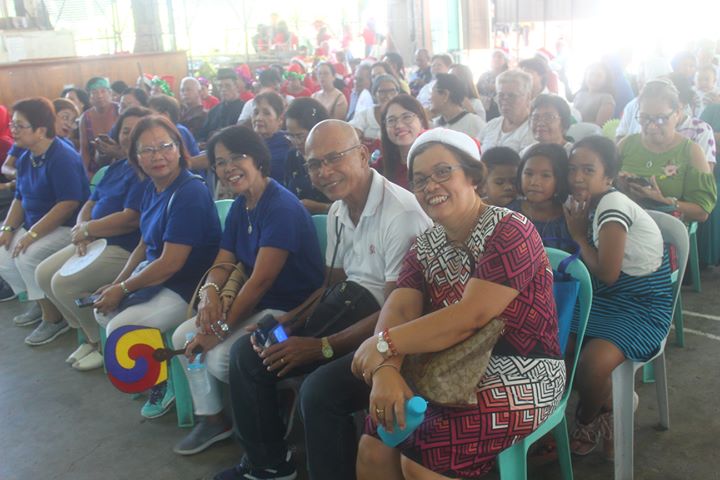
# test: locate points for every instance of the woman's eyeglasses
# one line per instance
(406, 119)
(234, 160)
(439, 175)
(146, 153)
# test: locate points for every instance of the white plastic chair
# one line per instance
(674, 233)
(580, 130)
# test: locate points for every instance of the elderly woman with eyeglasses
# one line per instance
(550, 119)
(179, 237)
(512, 127)
(270, 232)
(457, 276)
(661, 169)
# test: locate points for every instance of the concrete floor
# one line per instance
(61, 424)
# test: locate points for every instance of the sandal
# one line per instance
(543, 452)
(584, 438)
(606, 433)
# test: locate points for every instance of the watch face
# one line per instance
(382, 346)
(327, 352)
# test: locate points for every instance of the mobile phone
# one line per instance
(641, 181)
(104, 138)
(85, 302)
(269, 332)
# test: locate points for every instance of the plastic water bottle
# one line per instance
(197, 376)
(414, 416)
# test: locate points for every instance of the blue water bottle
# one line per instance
(414, 416)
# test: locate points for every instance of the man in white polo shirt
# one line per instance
(370, 228)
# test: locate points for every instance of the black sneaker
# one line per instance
(6, 293)
(244, 471)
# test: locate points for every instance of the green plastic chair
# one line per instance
(97, 177)
(513, 460)
(694, 257)
(176, 379)
(320, 222)
(223, 207)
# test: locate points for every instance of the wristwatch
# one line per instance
(32, 234)
(7, 228)
(327, 350)
(382, 346)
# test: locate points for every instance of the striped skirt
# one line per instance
(634, 313)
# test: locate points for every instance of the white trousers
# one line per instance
(217, 360)
(19, 272)
(164, 311)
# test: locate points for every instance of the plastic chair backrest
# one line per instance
(578, 270)
(610, 128)
(674, 232)
(223, 207)
(97, 177)
(581, 130)
(320, 221)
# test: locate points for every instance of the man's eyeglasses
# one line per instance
(406, 119)
(659, 120)
(234, 160)
(510, 97)
(313, 165)
(439, 174)
(146, 153)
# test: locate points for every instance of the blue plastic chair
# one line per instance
(223, 207)
(320, 222)
(513, 460)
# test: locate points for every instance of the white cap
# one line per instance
(459, 140)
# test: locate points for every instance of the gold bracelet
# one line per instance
(383, 365)
(7, 228)
(32, 234)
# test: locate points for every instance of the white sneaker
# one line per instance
(79, 353)
(91, 361)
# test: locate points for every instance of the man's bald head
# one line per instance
(338, 163)
(334, 130)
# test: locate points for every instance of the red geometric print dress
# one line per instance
(525, 378)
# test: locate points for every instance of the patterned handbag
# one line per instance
(450, 377)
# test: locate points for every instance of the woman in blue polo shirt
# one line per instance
(180, 233)
(112, 213)
(270, 232)
(51, 186)
(267, 119)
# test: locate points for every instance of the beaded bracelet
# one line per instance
(391, 345)
(208, 285)
(124, 288)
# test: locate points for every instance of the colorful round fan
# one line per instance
(129, 359)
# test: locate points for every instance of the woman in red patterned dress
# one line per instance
(477, 262)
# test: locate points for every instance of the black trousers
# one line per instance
(329, 396)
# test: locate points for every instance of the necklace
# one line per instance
(37, 161)
(250, 227)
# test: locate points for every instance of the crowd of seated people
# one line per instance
(424, 182)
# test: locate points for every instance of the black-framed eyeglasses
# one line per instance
(296, 137)
(147, 153)
(18, 126)
(439, 174)
(313, 165)
(659, 120)
(233, 160)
